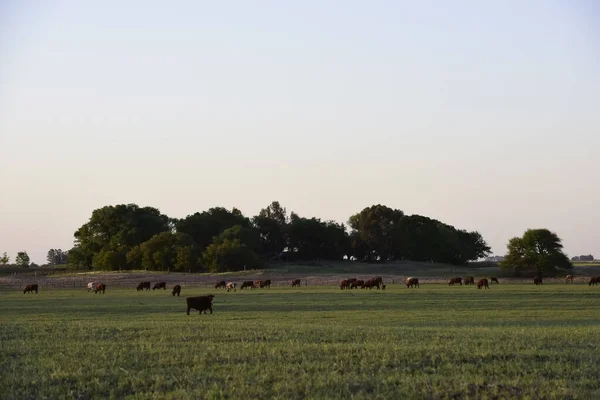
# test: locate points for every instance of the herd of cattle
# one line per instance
(204, 303)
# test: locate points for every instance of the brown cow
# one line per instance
(469, 280)
(371, 283)
(143, 285)
(200, 303)
(31, 288)
(456, 279)
(100, 287)
(247, 284)
(344, 284)
(410, 282)
(483, 283)
(231, 286)
(176, 290)
(494, 279)
(265, 284)
(160, 285)
(296, 282)
(594, 280)
(538, 280)
(221, 284)
(378, 280)
(256, 284)
(569, 278)
(357, 284)
(351, 280)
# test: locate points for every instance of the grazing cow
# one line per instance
(265, 284)
(256, 284)
(494, 279)
(483, 283)
(247, 284)
(296, 282)
(371, 283)
(31, 288)
(351, 281)
(378, 280)
(357, 284)
(594, 280)
(176, 290)
(160, 285)
(91, 286)
(569, 278)
(143, 285)
(344, 284)
(101, 287)
(410, 282)
(220, 284)
(200, 303)
(456, 279)
(538, 280)
(231, 286)
(469, 280)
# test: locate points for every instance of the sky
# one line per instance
(483, 115)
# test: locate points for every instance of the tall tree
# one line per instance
(376, 226)
(537, 249)
(5, 259)
(22, 259)
(112, 231)
(56, 257)
(229, 255)
(164, 252)
(202, 227)
(271, 223)
(311, 238)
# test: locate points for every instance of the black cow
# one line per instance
(31, 288)
(176, 290)
(200, 303)
(159, 285)
(143, 285)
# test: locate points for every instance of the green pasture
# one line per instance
(434, 342)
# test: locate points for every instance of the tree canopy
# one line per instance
(22, 259)
(218, 239)
(538, 250)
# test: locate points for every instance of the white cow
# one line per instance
(231, 285)
(91, 286)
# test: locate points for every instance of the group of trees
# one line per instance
(22, 259)
(130, 237)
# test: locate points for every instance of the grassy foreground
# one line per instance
(436, 342)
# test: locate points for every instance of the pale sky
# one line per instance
(482, 114)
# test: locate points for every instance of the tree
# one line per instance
(22, 259)
(229, 255)
(271, 223)
(5, 259)
(311, 238)
(56, 257)
(166, 251)
(377, 226)
(204, 226)
(113, 231)
(538, 250)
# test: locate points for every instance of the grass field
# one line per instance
(435, 342)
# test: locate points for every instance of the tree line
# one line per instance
(128, 236)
